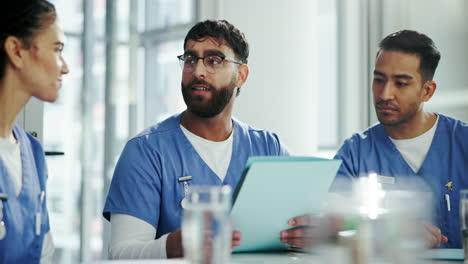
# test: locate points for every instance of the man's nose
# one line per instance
(387, 92)
(199, 69)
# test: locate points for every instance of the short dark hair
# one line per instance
(222, 30)
(413, 42)
(22, 19)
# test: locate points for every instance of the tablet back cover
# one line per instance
(274, 189)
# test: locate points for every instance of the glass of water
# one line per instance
(464, 220)
(206, 227)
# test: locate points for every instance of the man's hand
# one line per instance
(174, 248)
(236, 239)
(433, 236)
(302, 233)
(308, 230)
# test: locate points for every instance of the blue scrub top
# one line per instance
(446, 160)
(21, 244)
(145, 182)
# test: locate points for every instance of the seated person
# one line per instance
(409, 143)
(204, 142)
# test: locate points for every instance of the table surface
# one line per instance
(263, 258)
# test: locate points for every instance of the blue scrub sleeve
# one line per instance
(268, 141)
(282, 150)
(345, 175)
(136, 185)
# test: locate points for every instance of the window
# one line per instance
(102, 104)
(167, 23)
(75, 125)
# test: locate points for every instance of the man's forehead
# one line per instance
(208, 43)
(397, 62)
(393, 56)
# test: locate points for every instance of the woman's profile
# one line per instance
(31, 65)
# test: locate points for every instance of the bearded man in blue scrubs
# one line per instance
(204, 145)
(410, 143)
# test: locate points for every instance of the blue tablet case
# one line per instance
(274, 189)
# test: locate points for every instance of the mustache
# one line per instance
(383, 103)
(200, 82)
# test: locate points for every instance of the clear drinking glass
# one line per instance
(206, 227)
(464, 220)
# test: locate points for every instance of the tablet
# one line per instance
(444, 254)
(274, 189)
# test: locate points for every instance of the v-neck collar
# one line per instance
(26, 169)
(235, 149)
(15, 150)
(391, 145)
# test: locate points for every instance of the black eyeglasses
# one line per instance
(212, 63)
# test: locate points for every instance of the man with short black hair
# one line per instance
(410, 143)
(204, 142)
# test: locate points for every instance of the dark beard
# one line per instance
(220, 99)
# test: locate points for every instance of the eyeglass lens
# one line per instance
(211, 63)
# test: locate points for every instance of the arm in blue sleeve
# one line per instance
(346, 173)
(136, 185)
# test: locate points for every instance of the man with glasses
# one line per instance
(204, 145)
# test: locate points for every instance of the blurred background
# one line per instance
(311, 63)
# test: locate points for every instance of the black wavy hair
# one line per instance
(22, 19)
(222, 30)
(413, 42)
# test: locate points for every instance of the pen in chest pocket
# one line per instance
(3, 198)
(447, 200)
(38, 213)
(184, 180)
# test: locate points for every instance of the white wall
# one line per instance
(447, 24)
(281, 92)
(353, 57)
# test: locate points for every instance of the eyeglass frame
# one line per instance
(182, 57)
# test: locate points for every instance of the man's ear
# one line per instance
(428, 91)
(242, 74)
(14, 49)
